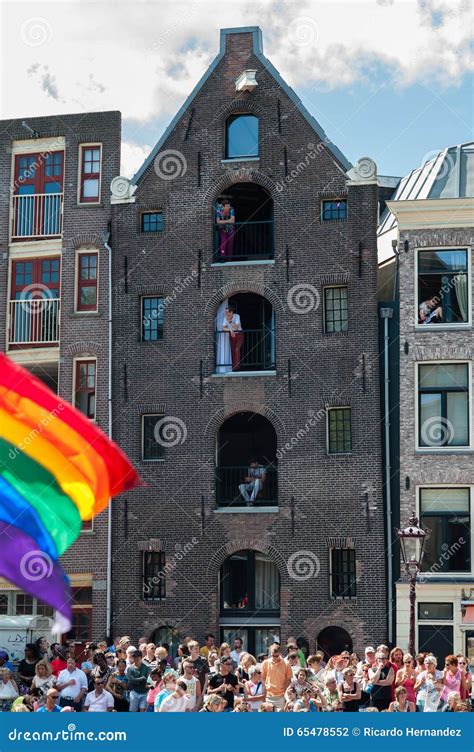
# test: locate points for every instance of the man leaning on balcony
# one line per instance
(254, 481)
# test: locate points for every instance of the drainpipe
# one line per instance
(105, 240)
(386, 314)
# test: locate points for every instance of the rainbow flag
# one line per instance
(56, 469)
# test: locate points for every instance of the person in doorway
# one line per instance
(254, 480)
(232, 325)
(225, 221)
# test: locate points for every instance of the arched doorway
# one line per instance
(249, 584)
(250, 236)
(246, 470)
(333, 640)
(251, 346)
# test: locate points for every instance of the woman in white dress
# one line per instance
(225, 325)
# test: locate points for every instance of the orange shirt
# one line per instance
(276, 675)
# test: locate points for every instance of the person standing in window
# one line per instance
(225, 221)
(233, 327)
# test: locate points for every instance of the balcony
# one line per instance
(247, 241)
(249, 350)
(33, 323)
(37, 216)
(228, 494)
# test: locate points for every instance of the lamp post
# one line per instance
(412, 539)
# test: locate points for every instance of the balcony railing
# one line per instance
(228, 493)
(34, 322)
(250, 350)
(38, 215)
(247, 241)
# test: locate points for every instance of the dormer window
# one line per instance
(241, 137)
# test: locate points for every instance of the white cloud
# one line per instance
(144, 57)
(133, 157)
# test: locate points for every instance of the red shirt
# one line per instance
(58, 665)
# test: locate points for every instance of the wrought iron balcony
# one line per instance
(228, 493)
(248, 350)
(245, 241)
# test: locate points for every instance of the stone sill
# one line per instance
(231, 160)
(220, 264)
(242, 374)
(245, 510)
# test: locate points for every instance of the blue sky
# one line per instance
(389, 79)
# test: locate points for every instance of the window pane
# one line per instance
(88, 296)
(154, 575)
(343, 573)
(446, 375)
(24, 604)
(446, 512)
(242, 136)
(90, 188)
(153, 443)
(448, 500)
(334, 209)
(435, 611)
(436, 262)
(336, 309)
(458, 417)
(152, 222)
(267, 583)
(3, 603)
(152, 319)
(339, 427)
(234, 580)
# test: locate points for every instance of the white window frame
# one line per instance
(441, 327)
(428, 576)
(83, 146)
(87, 251)
(142, 455)
(443, 449)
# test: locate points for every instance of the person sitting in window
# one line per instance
(254, 481)
(225, 221)
(232, 325)
(429, 312)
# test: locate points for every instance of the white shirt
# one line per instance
(73, 690)
(174, 704)
(99, 703)
(235, 655)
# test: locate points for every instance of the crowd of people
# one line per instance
(208, 678)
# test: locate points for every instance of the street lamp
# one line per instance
(412, 539)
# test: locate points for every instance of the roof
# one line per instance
(447, 174)
(258, 51)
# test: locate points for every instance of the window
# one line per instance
(241, 136)
(152, 319)
(90, 173)
(23, 604)
(250, 582)
(82, 596)
(333, 209)
(339, 430)
(154, 581)
(435, 611)
(153, 441)
(342, 572)
(443, 287)
(42, 609)
(87, 281)
(84, 397)
(34, 302)
(152, 222)
(336, 316)
(446, 512)
(38, 195)
(3, 603)
(443, 404)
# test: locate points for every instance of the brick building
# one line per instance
(430, 218)
(55, 206)
(304, 554)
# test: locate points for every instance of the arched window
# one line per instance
(247, 232)
(241, 136)
(246, 472)
(245, 334)
(333, 641)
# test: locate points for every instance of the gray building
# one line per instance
(430, 219)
